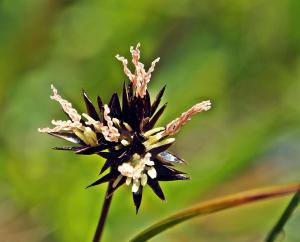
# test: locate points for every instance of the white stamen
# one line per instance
(126, 169)
(135, 186)
(152, 172)
(136, 169)
(147, 160)
(149, 163)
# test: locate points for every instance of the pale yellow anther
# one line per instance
(144, 179)
(158, 144)
(127, 126)
(116, 122)
(90, 121)
(117, 181)
(153, 131)
(136, 156)
(128, 181)
(81, 136)
(90, 136)
(124, 142)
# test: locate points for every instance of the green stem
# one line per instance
(278, 228)
(103, 215)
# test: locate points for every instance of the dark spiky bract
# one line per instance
(135, 116)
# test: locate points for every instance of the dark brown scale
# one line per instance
(115, 107)
(101, 109)
(157, 100)
(137, 198)
(155, 118)
(90, 107)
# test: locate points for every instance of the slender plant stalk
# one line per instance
(103, 215)
(215, 205)
(278, 228)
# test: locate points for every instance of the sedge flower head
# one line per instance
(124, 133)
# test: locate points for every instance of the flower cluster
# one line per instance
(123, 133)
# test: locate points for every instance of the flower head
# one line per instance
(123, 133)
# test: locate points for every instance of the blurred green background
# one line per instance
(243, 55)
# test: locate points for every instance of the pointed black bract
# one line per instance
(157, 100)
(130, 91)
(90, 107)
(108, 155)
(166, 171)
(172, 177)
(68, 136)
(115, 107)
(125, 104)
(156, 188)
(137, 198)
(108, 163)
(101, 108)
(137, 146)
(71, 148)
(108, 177)
(147, 105)
(155, 118)
(91, 150)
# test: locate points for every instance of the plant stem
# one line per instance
(278, 228)
(103, 215)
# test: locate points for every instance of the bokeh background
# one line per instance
(243, 55)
